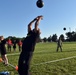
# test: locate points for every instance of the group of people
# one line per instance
(13, 45)
(7, 44)
(28, 47)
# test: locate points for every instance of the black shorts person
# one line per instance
(3, 50)
(28, 47)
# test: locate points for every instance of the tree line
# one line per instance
(70, 36)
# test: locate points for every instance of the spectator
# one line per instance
(20, 45)
(9, 42)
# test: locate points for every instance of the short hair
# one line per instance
(1, 37)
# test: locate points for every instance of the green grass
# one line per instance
(45, 52)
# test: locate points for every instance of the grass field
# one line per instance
(46, 61)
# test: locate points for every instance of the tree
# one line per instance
(54, 37)
(44, 39)
(71, 36)
(49, 38)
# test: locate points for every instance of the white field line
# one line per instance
(19, 53)
(55, 60)
(47, 61)
(13, 54)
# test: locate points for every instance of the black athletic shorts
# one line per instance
(3, 51)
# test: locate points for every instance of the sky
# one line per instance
(15, 16)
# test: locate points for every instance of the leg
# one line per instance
(57, 48)
(19, 48)
(5, 59)
(10, 48)
(61, 48)
(24, 63)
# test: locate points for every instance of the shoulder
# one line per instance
(30, 32)
(4, 41)
(36, 31)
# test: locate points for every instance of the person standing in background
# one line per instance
(9, 42)
(14, 45)
(59, 44)
(20, 45)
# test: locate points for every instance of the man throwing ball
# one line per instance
(28, 46)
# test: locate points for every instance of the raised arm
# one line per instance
(30, 25)
(39, 18)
